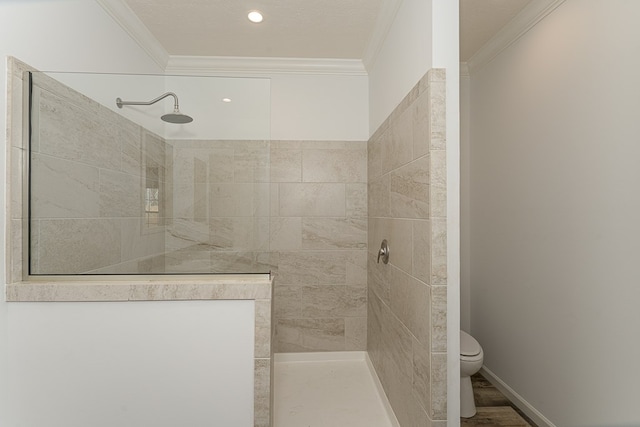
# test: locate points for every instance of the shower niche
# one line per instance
(139, 187)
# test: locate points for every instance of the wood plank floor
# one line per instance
(494, 409)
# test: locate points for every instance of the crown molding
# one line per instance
(232, 65)
(129, 22)
(383, 24)
(533, 13)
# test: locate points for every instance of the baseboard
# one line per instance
(516, 399)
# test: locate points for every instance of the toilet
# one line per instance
(471, 357)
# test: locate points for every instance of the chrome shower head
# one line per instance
(175, 117)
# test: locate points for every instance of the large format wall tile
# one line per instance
(64, 189)
(312, 200)
(73, 246)
(302, 335)
(407, 298)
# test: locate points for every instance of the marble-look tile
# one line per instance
(320, 301)
(303, 335)
(286, 234)
(421, 268)
(153, 149)
(421, 380)
(73, 133)
(262, 393)
(237, 199)
(308, 199)
(378, 194)
(356, 268)
(312, 268)
(242, 262)
(120, 195)
(379, 279)
(137, 243)
(437, 93)
(334, 233)
(421, 125)
(17, 184)
(31, 265)
(438, 321)
(436, 75)
(287, 301)
(409, 190)
(356, 199)
(375, 343)
(411, 303)
(274, 200)
(65, 249)
(438, 410)
(262, 347)
(333, 145)
(438, 251)
(220, 165)
(64, 189)
(286, 165)
(15, 257)
(251, 164)
(397, 344)
(185, 233)
(355, 333)
(239, 234)
(400, 238)
(398, 149)
(347, 165)
(374, 157)
(70, 291)
(438, 183)
(189, 261)
(403, 401)
(131, 151)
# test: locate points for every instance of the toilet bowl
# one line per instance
(471, 357)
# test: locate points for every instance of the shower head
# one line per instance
(175, 117)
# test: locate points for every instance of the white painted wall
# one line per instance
(555, 236)
(69, 35)
(465, 185)
(404, 58)
(131, 364)
(319, 107)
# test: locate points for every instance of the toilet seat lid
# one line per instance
(468, 345)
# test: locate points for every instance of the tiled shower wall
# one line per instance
(220, 217)
(319, 240)
(90, 168)
(407, 297)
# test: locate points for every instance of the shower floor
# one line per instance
(328, 390)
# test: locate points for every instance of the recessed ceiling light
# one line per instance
(226, 99)
(255, 16)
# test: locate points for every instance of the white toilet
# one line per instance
(471, 356)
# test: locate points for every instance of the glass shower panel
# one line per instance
(119, 191)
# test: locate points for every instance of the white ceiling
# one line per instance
(336, 29)
(339, 29)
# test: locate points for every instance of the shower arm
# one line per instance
(120, 102)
